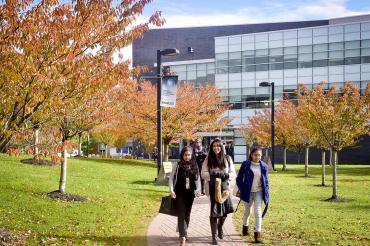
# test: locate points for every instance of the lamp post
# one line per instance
(160, 53)
(272, 85)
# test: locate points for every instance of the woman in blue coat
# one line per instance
(252, 181)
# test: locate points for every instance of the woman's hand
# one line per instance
(197, 193)
(173, 195)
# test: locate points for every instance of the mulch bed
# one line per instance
(66, 197)
(39, 162)
(8, 237)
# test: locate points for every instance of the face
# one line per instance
(216, 148)
(256, 156)
(187, 156)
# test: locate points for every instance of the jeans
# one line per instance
(256, 199)
(184, 202)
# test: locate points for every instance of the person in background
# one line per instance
(200, 156)
(184, 186)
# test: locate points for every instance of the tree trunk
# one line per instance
(331, 157)
(3, 143)
(36, 148)
(284, 163)
(306, 163)
(87, 145)
(121, 152)
(79, 143)
(106, 151)
(63, 171)
(323, 168)
(165, 151)
(248, 151)
(334, 166)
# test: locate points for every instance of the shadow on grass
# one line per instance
(142, 182)
(105, 240)
(121, 162)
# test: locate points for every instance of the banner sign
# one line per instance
(169, 91)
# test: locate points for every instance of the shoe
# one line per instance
(182, 241)
(245, 231)
(257, 237)
(220, 224)
(213, 222)
(214, 240)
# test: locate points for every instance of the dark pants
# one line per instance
(184, 202)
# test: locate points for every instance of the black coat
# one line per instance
(219, 209)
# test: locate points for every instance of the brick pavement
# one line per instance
(162, 230)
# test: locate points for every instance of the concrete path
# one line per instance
(162, 230)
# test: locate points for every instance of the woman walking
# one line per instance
(219, 175)
(253, 185)
(184, 185)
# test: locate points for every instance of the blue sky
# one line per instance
(224, 12)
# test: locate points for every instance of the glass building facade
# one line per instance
(336, 54)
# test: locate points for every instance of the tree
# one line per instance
(286, 120)
(197, 109)
(46, 44)
(249, 137)
(337, 118)
(260, 125)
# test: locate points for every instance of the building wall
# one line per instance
(237, 58)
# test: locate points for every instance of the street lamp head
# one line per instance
(265, 84)
(169, 52)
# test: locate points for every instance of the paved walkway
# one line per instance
(162, 230)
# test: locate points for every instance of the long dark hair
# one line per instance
(213, 161)
(255, 149)
(193, 164)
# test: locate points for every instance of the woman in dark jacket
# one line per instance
(184, 185)
(253, 184)
(217, 165)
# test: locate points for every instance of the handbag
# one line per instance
(168, 206)
(220, 195)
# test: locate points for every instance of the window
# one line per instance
(304, 64)
(336, 54)
(235, 59)
(305, 49)
(352, 44)
(336, 62)
(235, 69)
(352, 60)
(290, 65)
(320, 47)
(276, 66)
(320, 63)
(262, 67)
(290, 50)
(290, 58)
(320, 55)
(320, 31)
(336, 46)
(250, 68)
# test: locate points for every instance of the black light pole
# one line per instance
(160, 53)
(272, 85)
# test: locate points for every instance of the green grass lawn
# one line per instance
(122, 201)
(298, 215)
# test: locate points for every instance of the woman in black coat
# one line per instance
(217, 165)
(184, 186)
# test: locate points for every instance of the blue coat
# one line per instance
(245, 184)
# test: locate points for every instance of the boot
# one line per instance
(257, 237)
(221, 222)
(182, 241)
(213, 222)
(245, 230)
